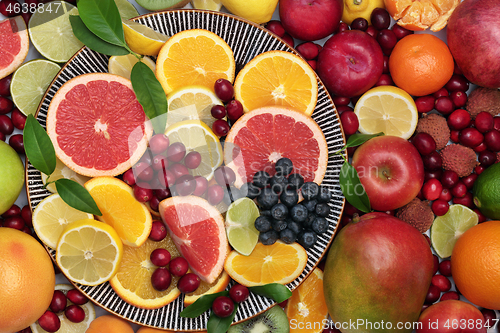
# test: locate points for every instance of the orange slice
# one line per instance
(194, 57)
(205, 288)
(277, 78)
(277, 263)
(116, 201)
(197, 229)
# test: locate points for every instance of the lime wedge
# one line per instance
(240, 229)
(446, 229)
(207, 4)
(126, 9)
(122, 65)
(29, 83)
(51, 33)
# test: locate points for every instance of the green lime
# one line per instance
(240, 229)
(29, 83)
(126, 9)
(446, 229)
(486, 192)
(51, 33)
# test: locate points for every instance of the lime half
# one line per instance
(240, 229)
(29, 83)
(448, 228)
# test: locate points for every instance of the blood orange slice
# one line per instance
(14, 44)
(261, 137)
(97, 126)
(197, 229)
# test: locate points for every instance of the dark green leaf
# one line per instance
(353, 190)
(150, 94)
(103, 19)
(275, 291)
(76, 196)
(38, 146)
(358, 139)
(201, 305)
(218, 325)
(93, 42)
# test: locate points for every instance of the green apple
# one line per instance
(11, 176)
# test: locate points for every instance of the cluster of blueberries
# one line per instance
(281, 215)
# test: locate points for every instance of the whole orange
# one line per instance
(27, 277)
(421, 64)
(475, 264)
(109, 324)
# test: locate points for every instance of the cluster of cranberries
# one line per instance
(18, 218)
(233, 109)
(10, 117)
(223, 306)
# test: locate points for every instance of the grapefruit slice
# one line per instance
(197, 229)
(261, 137)
(97, 125)
(14, 44)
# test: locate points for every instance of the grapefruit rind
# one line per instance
(16, 23)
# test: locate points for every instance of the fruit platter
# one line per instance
(241, 166)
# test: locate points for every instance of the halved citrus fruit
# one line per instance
(120, 209)
(261, 137)
(277, 78)
(197, 229)
(421, 14)
(97, 126)
(208, 288)
(276, 263)
(194, 57)
(132, 281)
(15, 44)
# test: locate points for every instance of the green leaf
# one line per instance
(150, 94)
(275, 291)
(201, 305)
(38, 146)
(93, 42)
(353, 190)
(358, 139)
(218, 325)
(76, 196)
(103, 19)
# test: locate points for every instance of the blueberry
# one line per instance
(298, 213)
(295, 181)
(322, 209)
(319, 225)
(279, 211)
(294, 226)
(263, 224)
(284, 166)
(310, 219)
(310, 204)
(307, 239)
(278, 183)
(324, 194)
(267, 198)
(265, 212)
(289, 197)
(309, 190)
(279, 225)
(250, 190)
(269, 238)
(261, 179)
(287, 236)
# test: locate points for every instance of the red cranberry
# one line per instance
(469, 180)
(441, 282)
(159, 162)
(218, 111)
(455, 136)
(142, 192)
(143, 171)
(166, 178)
(49, 321)
(432, 294)
(445, 195)
(384, 80)
(440, 207)
(234, 110)
(14, 222)
(223, 306)
(308, 50)
(6, 105)
(215, 194)
(26, 214)
(161, 279)
(313, 64)
(26, 330)
(372, 31)
(492, 140)
(479, 169)
(224, 90)
(6, 125)
(466, 200)
(18, 119)
(239, 293)
(201, 186)
(343, 108)
(59, 301)
(450, 295)
(380, 18)
(434, 174)
(480, 147)
(387, 39)
(176, 152)
(425, 103)
(158, 231)
(459, 119)
(185, 185)
(2, 137)
(459, 190)
(496, 125)
(192, 160)
(276, 27)
(443, 92)
(490, 317)
(432, 189)
(386, 66)
(162, 193)
(178, 266)
(470, 137)
(16, 142)
(487, 158)
(344, 101)
(401, 31)
(5, 87)
(154, 203)
(76, 297)
(288, 39)
(445, 267)
(480, 216)
(74, 313)
(459, 98)
(129, 177)
(432, 161)
(179, 170)
(160, 257)
(457, 83)
(359, 23)
(188, 283)
(427, 238)
(449, 178)
(159, 143)
(342, 27)
(484, 122)
(14, 210)
(220, 127)
(444, 105)
(224, 176)
(350, 122)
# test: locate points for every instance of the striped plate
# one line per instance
(246, 40)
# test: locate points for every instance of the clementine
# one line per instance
(421, 64)
(28, 280)
(108, 324)
(475, 264)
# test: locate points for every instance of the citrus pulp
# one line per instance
(15, 44)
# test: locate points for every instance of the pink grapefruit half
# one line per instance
(197, 229)
(97, 126)
(14, 44)
(261, 137)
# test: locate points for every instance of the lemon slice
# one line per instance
(207, 4)
(51, 216)
(193, 102)
(68, 326)
(29, 83)
(89, 252)
(122, 65)
(240, 229)
(126, 9)
(197, 136)
(387, 109)
(446, 229)
(62, 171)
(51, 33)
(142, 39)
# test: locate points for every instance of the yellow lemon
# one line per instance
(360, 8)
(258, 11)
(142, 39)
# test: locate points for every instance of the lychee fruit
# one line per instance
(417, 213)
(459, 158)
(436, 126)
(483, 99)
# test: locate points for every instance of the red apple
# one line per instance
(350, 63)
(391, 171)
(310, 19)
(451, 316)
